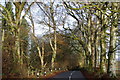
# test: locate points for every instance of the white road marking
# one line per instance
(71, 75)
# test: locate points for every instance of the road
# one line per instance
(69, 75)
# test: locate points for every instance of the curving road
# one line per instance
(69, 75)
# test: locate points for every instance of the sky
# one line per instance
(38, 16)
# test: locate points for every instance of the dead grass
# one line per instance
(96, 76)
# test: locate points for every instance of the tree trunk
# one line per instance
(43, 52)
(112, 43)
(111, 48)
(95, 51)
(17, 44)
(54, 50)
(18, 10)
(102, 44)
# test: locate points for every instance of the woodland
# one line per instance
(77, 35)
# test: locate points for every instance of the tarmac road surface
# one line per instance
(69, 75)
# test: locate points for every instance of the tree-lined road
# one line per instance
(67, 35)
(70, 75)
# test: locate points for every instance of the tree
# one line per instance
(93, 23)
(113, 29)
(12, 26)
(50, 12)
